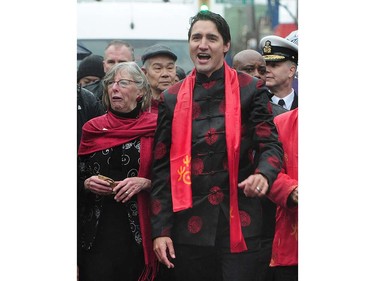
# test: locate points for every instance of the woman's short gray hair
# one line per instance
(136, 74)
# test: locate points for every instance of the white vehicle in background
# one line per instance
(141, 24)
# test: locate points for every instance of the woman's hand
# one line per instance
(129, 187)
(98, 186)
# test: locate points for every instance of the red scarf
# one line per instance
(180, 156)
(110, 130)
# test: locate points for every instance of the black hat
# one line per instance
(91, 65)
(276, 48)
(156, 50)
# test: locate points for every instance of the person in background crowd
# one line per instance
(159, 65)
(180, 74)
(206, 215)
(116, 51)
(88, 107)
(253, 63)
(90, 70)
(284, 193)
(281, 58)
(115, 156)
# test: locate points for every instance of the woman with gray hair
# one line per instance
(143, 92)
(115, 156)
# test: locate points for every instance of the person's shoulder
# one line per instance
(170, 95)
(175, 88)
(90, 102)
(93, 122)
(288, 115)
(150, 115)
(243, 76)
(87, 93)
(149, 118)
(277, 109)
(245, 79)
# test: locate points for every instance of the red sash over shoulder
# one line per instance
(180, 156)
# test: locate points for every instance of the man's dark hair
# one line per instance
(221, 24)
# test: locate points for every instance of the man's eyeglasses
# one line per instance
(123, 83)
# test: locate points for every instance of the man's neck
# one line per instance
(281, 93)
(156, 95)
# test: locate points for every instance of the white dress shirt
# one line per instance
(288, 100)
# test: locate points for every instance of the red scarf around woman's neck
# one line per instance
(109, 130)
(180, 156)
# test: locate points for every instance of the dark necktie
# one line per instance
(281, 102)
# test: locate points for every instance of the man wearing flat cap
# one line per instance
(281, 56)
(159, 66)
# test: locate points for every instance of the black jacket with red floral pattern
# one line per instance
(260, 152)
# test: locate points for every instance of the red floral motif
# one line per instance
(195, 224)
(196, 110)
(197, 166)
(216, 195)
(244, 218)
(209, 84)
(174, 89)
(273, 161)
(211, 136)
(269, 107)
(155, 207)
(260, 84)
(160, 150)
(263, 130)
(244, 80)
(166, 231)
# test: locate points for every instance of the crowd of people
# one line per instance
(189, 174)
